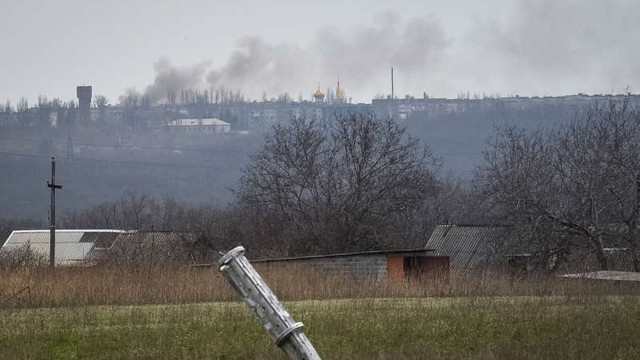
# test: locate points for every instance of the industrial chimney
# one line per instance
(392, 94)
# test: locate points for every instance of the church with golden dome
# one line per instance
(318, 96)
(338, 97)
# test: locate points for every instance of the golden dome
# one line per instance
(319, 94)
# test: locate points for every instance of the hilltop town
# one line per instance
(235, 114)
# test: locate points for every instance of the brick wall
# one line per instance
(359, 267)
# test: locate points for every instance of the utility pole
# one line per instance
(52, 219)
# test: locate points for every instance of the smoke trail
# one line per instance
(170, 78)
(546, 47)
(256, 66)
(415, 45)
(565, 46)
(358, 56)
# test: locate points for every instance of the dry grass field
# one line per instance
(138, 285)
(183, 313)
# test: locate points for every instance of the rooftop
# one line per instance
(468, 247)
(413, 252)
(199, 122)
(72, 246)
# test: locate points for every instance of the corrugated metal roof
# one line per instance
(72, 246)
(468, 247)
(405, 252)
(154, 246)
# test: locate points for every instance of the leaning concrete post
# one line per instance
(284, 331)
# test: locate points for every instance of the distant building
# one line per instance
(90, 247)
(213, 125)
(318, 96)
(479, 248)
(340, 96)
(84, 104)
(73, 247)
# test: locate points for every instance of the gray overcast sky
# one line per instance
(541, 47)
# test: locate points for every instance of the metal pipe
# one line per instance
(283, 330)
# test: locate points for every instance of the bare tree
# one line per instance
(330, 96)
(70, 117)
(101, 103)
(169, 213)
(618, 124)
(44, 111)
(132, 211)
(22, 109)
(285, 98)
(7, 113)
(578, 185)
(341, 185)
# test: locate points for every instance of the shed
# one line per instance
(72, 246)
(377, 265)
(469, 248)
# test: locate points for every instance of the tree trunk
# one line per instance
(599, 252)
(636, 259)
(602, 259)
(633, 248)
(633, 229)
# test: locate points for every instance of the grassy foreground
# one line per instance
(556, 327)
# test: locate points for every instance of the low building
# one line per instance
(369, 265)
(72, 248)
(213, 125)
(469, 248)
(474, 249)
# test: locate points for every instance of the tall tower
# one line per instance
(84, 104)
(340, 98)
(392, 94)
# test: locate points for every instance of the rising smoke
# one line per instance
(546, 47)
(171, 78)
(554, 47)
(357, 56)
